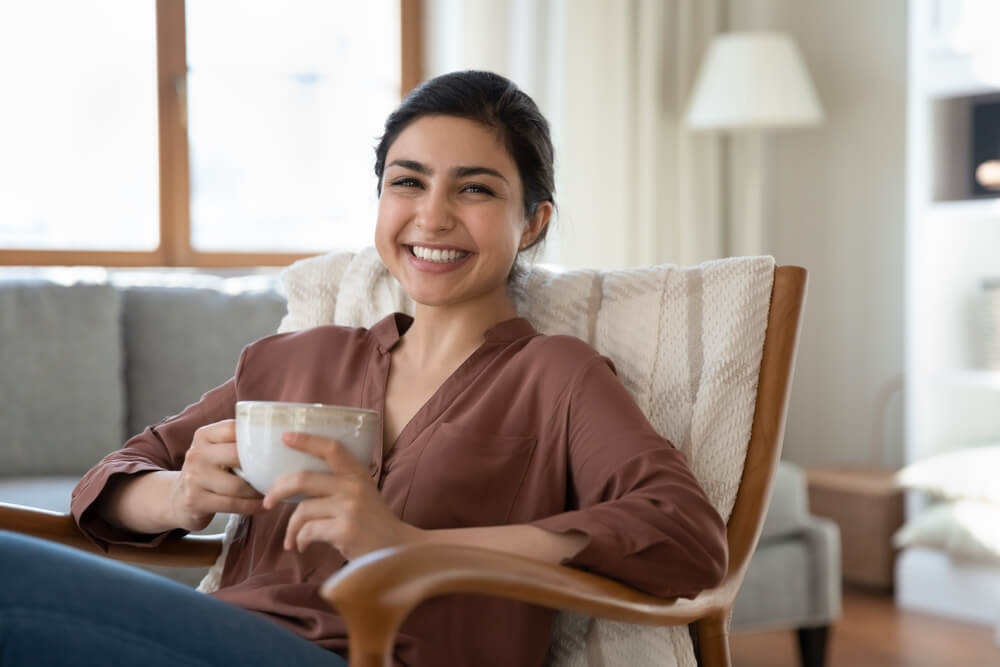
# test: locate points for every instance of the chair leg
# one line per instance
(713, 641)
(812, 645)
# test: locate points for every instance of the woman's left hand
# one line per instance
(343, 507)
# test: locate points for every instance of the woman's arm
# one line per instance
(647, 521)
(345, 509)
(523, 539)
(125, 498)
(156, 502)
(137, 504)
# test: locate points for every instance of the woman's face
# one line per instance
(451, 214)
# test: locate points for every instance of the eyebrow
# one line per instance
(457, 172)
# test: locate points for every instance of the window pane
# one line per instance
(285, 102)
(78, 153)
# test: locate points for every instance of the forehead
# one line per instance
(448, 141)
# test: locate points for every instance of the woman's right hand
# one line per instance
(206, 483)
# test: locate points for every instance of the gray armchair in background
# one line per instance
(794, 577)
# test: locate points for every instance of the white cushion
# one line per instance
(969, 473)
(966, 529)
(47, 493)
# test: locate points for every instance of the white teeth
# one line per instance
(437, 255)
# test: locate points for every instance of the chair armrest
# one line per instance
(187, 551)
(376, 592)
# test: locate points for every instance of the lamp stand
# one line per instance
(745, 226)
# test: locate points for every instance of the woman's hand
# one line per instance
(206, 483)
(343, 507)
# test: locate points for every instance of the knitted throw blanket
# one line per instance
(686, 341)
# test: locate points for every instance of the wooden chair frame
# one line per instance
(375, 593)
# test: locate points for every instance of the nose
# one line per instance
(434, 215)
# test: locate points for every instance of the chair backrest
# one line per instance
(687, 342)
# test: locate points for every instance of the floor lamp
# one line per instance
(748, 83)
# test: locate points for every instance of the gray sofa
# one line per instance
(85, 365)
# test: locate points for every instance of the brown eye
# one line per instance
(477, 189)
(406, 182)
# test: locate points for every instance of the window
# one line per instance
(222, 133)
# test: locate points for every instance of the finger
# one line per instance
(211, 466)
(327, 531)
(226, 483)
(304, 482)
(331, 450)
(308, 510)
(222, 431)
(214, 503)
(222, 455)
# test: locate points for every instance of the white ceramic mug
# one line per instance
(261, 424)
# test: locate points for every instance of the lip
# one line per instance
(435, 267)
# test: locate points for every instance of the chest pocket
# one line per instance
(464, 478)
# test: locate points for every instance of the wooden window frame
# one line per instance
(175, 248)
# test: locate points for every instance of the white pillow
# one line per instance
(966, 529)
(970, 473)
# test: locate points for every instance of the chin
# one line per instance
(429, 298)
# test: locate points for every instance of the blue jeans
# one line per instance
(61, 606)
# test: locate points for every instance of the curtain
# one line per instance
(634, 187)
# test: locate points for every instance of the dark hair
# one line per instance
(495, 102)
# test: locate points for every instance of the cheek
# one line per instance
(387, 222)
(384, 233)
(515, 228)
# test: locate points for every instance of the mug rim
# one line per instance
(291, 404)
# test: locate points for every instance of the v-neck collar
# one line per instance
(387, 333)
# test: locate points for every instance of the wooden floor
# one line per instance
(874, 633)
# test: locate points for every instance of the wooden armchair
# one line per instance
(376, 592)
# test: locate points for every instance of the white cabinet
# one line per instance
(953, 241)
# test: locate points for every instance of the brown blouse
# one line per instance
(530, 429)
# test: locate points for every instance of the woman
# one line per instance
(492, 435)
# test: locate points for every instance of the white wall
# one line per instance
(838, 205)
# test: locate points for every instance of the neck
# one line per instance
(446, 335)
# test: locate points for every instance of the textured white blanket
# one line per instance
(686, 341)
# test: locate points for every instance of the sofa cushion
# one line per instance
(182, 341)
(60, 351)
(46, 493)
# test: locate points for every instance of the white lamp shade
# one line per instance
(753, 80)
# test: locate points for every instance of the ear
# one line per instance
(536, 224)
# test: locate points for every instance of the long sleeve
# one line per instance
(159, 447)
(649, 523)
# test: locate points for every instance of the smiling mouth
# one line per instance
(437, 255)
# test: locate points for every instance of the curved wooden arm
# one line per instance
(187, 551)
(376, 592)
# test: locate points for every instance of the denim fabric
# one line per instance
(61, 606)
